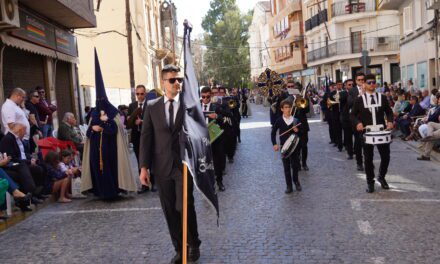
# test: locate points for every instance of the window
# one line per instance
(421, 75)
(410, 72)
(417, 14)
(407, 20)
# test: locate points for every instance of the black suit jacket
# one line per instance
(344, 107)
(360, 114)
(136, 131)
(9, 145)
(159, 146)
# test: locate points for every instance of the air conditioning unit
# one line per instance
(381, 40)
(432, 4)
(9, 18)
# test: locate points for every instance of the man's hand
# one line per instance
(360, 127)
(295, 129)
(33, 161)
(138, 121)
(5, 161)
(213, 116)
(276, 147)
(97, 128)
(144, 177)
(390, 126)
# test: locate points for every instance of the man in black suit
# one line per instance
(405, 120)
(301, 115)
(160, 151)
(335, 116)
(361, 116)
(22, 169)
(134, 122)
(352, 97)
(345, 117)
(228, 126)
(212, 112)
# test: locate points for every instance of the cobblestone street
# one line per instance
(333, 219)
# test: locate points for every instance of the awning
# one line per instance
(30, 47)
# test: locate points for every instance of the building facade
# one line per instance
(286, 39)
(417, 44)
(151, 49)
(259, 39)
(337, 31)
(39, 49)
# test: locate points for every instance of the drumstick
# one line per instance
(285, 132)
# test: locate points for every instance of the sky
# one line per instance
(195, 10)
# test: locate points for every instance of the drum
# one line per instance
(378, 137)
(214, 131)
(289, 146)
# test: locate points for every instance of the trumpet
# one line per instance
(301, 102)
(232, 104)
(331, 102)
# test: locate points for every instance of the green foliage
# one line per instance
(226, 35)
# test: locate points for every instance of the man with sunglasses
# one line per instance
(354, 93)
(212, 112)
(45, 111)
(362, 117)
(160, 151)
(345, 117)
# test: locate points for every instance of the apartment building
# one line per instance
(259, 39)
(286, 39)
(337, 31)
(417, 45)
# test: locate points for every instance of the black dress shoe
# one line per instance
(231, 160)
(383, 183)
(143, 189)
(298, 186)
(370, 188)
(340, 149)
(193, 254)
(153, 189)
(305, 168)
(360, 168)
(288, 190)
(23, 202)
(177, 259)
(221, 187)
(424, 158)
(350, 157)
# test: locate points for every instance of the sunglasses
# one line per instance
(360, 80)
(206, 96)
(371, 82)
(140, 93)
(290, 86)
(173, 80)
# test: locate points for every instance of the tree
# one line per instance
(226, 35)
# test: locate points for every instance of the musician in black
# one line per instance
(301, 115)
(352, 97)
(228, 125)
(335, 115)
(361, 116)
(236, 113)
(285, 124)
(345, 117)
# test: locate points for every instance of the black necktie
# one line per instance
(171, 113)
(140, 105)
(372, 100)
(205, 107)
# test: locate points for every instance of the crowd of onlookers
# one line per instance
(27, 174)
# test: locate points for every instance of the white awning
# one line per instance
(30, 47)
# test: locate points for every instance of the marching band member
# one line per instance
(230, 137)
(284, 124)
(361, 116)
(345, 117)
(352, 97)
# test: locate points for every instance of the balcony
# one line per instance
(316, 20)
(70, 14)
(389, 4)
(344, 47)
(345, 8)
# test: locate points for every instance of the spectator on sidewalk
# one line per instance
(34, 120)
(61, 180)
(426, 100)
(406, 120)
(67, 131)
(12, 113)
(433, 131)
(45, 111)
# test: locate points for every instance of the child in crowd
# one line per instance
(291, 164)
(61, 179)
(67, 165)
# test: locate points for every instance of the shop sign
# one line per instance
(42, 33)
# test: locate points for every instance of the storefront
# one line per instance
(40, 54)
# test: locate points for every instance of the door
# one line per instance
(356, 42)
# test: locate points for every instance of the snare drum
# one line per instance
(378, 137)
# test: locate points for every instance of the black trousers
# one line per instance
(170, 193)
(348, 137)
(290, 165)
(28, 177)
(303, 140)
(384, 151)
(337, 130)
(219, 158)
(230, 144)
(358, 142)
(329, 119)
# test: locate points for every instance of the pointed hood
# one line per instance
(102, 102)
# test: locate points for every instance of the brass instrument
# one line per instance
(232, 104)
(301, 102)
(132, 118)
(331, 102)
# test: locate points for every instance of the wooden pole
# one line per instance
(185, 214)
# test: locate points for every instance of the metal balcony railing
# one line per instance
(348, 7)
(376, 44)
(316, 20)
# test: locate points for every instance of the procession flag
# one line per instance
(195, 142)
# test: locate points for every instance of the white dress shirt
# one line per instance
(21, 147)
(288, 120)
(176, 105)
